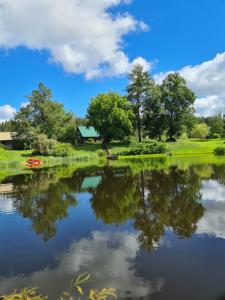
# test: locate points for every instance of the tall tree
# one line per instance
(178, 102)
(42, 115)
(5, 126)
(111, 115)
(137, 92)
(154, 113)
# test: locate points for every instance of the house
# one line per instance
(6, 139)
(86, 133)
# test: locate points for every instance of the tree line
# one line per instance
(157, 111)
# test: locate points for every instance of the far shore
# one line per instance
(92, 151)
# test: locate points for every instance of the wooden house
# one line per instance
(6, 139)
(87, 133)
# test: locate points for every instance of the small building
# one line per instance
(6, 139)
(86, 133)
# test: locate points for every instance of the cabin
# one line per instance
(86, 133)
(6, 139)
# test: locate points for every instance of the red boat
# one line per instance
(33, 162)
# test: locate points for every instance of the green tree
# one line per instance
(154, 119)
(178, 101)
(215, 124)
(111, 115)
(5, 126)
(42, 115)
(140, 83)
(200, 131)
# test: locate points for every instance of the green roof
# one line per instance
(88, 132)
(91, 182)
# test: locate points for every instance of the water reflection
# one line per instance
(112, 217)
(117, 197)
(108, 256)
(172, 199)
(44, 199)
(155, 200)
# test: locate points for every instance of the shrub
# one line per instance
(63, 149)
(215, 136)
(219, 151)
(90, 141)
(101, 153)
(147, 147)
(3, 146)
(45, 146)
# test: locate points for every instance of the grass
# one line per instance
(13, 158)
(190, 147)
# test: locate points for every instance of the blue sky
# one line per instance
(82, 48)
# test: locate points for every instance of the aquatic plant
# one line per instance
(77, 292)
(24, 294)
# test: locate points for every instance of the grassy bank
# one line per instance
(179, 148)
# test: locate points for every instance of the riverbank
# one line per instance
(179, 148)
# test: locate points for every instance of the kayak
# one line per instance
(33, 161)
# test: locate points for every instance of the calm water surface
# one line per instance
(152, 231)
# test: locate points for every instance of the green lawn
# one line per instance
(195, 146)
(181, 147)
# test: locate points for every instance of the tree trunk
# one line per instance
(139, 125)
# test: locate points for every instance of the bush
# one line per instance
(3, 146)
(219, 151)
(148, 147)
(63, 149)
(90, 141)
(45, 146)
(215, 136)
(101, 153)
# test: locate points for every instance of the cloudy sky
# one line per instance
(80, 48)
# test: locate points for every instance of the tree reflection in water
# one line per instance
(44, 199)
(117, 198)
(171, 199)
(154, 200)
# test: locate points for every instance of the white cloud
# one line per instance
(6, 205)
(207, 81)
(210, 105)
(213, 221)
(24, 104)
(141, 61)
(82, 36)
(108, 257)
(212, 191)
(6, 112)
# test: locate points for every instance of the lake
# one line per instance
(152, 229)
